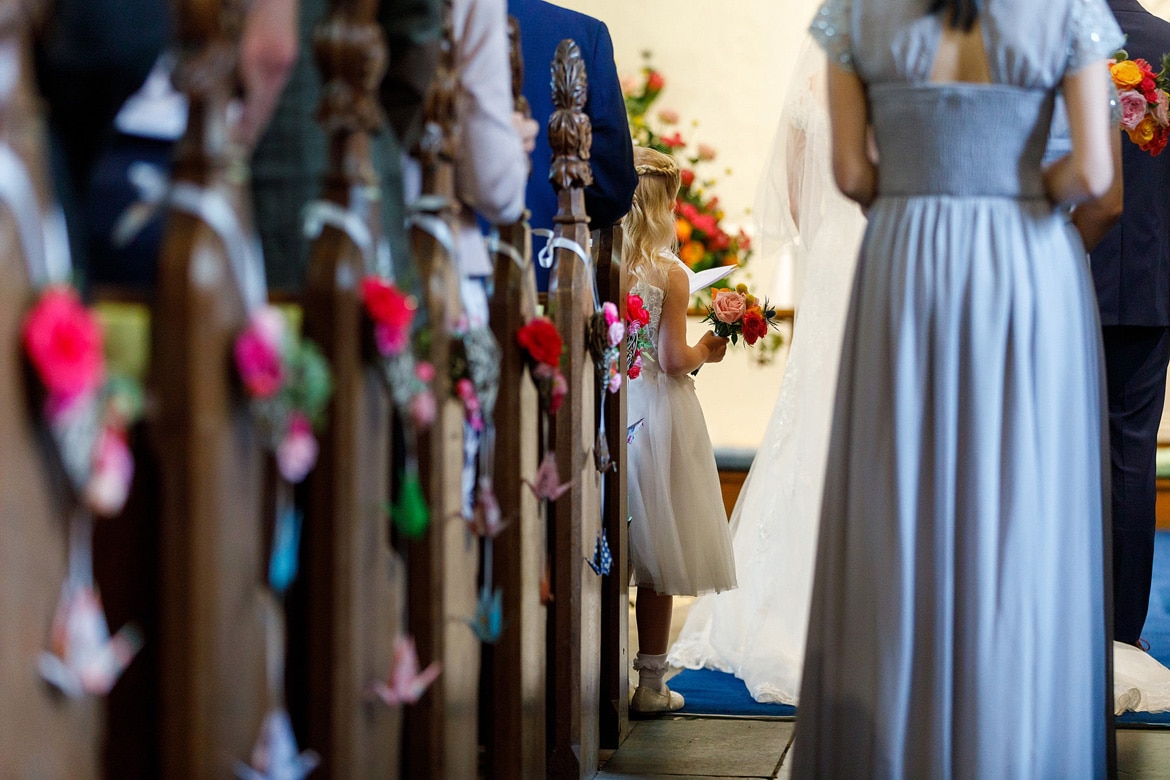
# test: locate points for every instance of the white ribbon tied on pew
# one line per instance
(375, 254)
(423, 214)
(552, 243)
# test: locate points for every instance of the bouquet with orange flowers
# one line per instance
(738, 314)
(1145, 100)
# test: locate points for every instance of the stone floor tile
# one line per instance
(715, 748)
(1143, 754)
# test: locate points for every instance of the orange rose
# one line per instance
(1144, 132)
(683, 230)
(1126, 74)
(692, 252)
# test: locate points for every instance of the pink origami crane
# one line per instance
(548, 486)
(407, 684)
(275, 755)
(84, 658)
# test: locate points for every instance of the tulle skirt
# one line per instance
(679, 540)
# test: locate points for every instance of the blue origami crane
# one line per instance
(488, 623)
(275, 756)
(282, 566)
(602, 559)
(632, 430)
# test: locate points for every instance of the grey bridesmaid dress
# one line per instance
(958, 623)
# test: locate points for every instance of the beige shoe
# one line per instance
(648, 701)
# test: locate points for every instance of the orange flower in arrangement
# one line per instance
(1126, 74)
(692, 253)
(683, 230)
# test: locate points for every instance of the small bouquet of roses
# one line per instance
(1145, 101)
(736, 314)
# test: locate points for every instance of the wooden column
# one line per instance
(211, 522)
(441, 729)
(42, 734)
(345, 611)
(615, 591)
(574, 625)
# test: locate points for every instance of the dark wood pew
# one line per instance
(43, 734)
(345, 611)
(574, 659)
(441, 730)
(512, 728)
(615, 595)
(212, 533)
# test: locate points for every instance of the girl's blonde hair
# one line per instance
(649, 227)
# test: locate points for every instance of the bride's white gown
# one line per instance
(758, 631)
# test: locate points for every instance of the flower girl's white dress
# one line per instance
(679, 540)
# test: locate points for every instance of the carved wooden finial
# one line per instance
(519, 102)
(439, 112)
(350, 48)
(570, 133)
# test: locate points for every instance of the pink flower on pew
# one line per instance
(424, 371)
(259, 352)
(617, 333)
(392, 312)
(548, 485)
(423, 409)
(560, 388)
(113, 470)
(64, 344)
(615, 378)
(296, 454)
(610, 312)
(406, 684)
(465, 390)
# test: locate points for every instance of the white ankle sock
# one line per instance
(650, 670)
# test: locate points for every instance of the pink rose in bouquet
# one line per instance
(728, 306)
(1133, 108)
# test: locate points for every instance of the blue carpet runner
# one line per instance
(709, 692)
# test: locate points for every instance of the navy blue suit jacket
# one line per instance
(542, 27)
(1131, 266)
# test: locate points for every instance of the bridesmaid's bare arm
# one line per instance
(853, 169)
(1097, 217)
(674, 354)
(1087, 173)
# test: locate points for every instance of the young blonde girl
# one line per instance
(679, 539)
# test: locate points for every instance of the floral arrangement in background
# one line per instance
(737, 314)
(288, 384)
(1145, 100)
(87, 410)
(703, 241)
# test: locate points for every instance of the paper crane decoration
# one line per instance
(85, 659)
(488, 623)
(632, 430)
(602, 560)
(275, 756)
(548, 486)
(406, 683)
(486, 520)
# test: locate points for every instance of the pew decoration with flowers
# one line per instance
(544, 350)
(391, 314)
(1144, 97)
(88, 411)
(704, 242)
(605, 332)
(288, 385)
(637, 335)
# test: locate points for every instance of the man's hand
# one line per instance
(268, 52)
(526, 128)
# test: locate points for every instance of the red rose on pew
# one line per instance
(542, 341)
(392, 312)
(64, 343)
